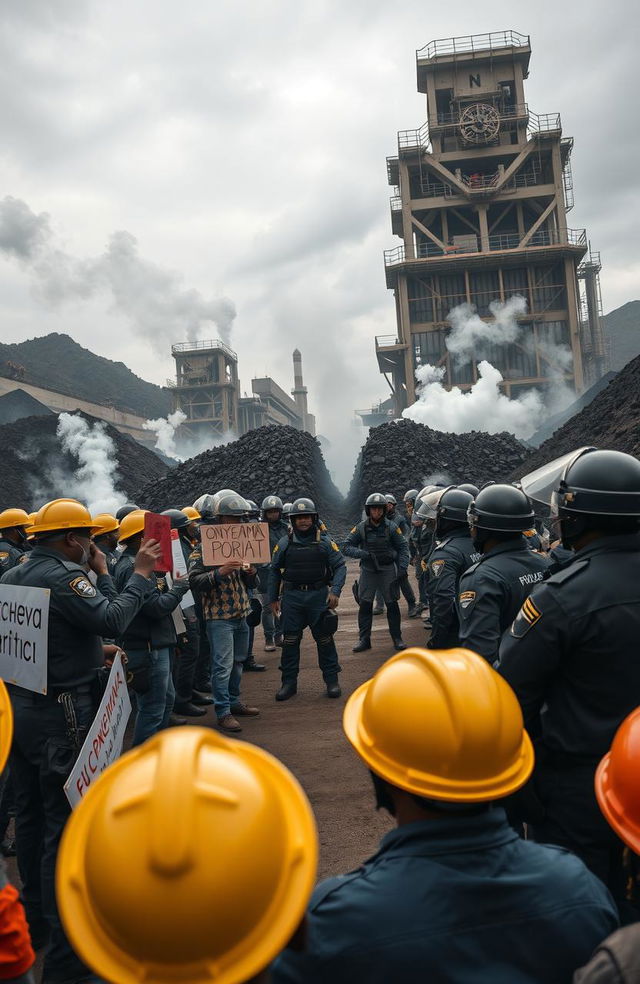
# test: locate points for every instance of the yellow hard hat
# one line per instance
(6, 725)
(131, 524)
(104, 523)
(192, 513)
(13, 517)
(29, 530)
(441, 724)
(219, 847)
(61, 514)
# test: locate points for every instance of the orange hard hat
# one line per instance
(220, 849)
(191, 513)
(131, 524)
(617, 786)
(104, 523)
(443, 725)
(61, 514)
(13, 517)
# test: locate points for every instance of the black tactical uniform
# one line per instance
(383, 553)
(571, 657)
(492, 590)
(450, 558)
(44, 750)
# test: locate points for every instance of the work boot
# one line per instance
(414, 611)
(251, 666)
(187, 709)
(379, 610)
(287, 690)
(203, 687)
(399, 643)
(269, 646)
(201, 700)
(228, 723)
(243, 710)
(333, 688)
(361, 645)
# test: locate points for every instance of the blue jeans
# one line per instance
(229, 642)
(153, 708)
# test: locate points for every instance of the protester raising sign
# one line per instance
(103, 744)
(24, 623)
(246, 542)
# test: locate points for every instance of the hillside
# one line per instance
(622, 329)
(58, 363)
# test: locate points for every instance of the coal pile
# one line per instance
(35, 469)
(269, 460)
(404, 454)
(611, 420)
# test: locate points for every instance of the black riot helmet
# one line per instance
(177, 517)
(123, 511)
(254, 509)
(598, 490)
(303, 507)
(271, 502)
(470, 488)
(232, 505)
(411, 495)
(375, 499)
(499, 512)
(451, 511)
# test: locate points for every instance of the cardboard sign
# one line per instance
(246, 542)
(180, 567)
(103, 744)
(157, 527)
(24, 625)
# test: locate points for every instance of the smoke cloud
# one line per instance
(173, 444)
(94, 480)
(151, 297)
(470, 334)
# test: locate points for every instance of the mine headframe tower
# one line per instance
(482, 192)
(206, 387)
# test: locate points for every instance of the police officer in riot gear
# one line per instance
(383, 553)
(123, 511)
(306, 576)
(272, 508)
(492, 590)
(13, 538)
(571, 653)
(49, 731)
(403, 582)
(453, 554)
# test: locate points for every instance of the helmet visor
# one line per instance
(541, 484)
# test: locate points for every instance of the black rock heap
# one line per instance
(403, 454)
(270, 460)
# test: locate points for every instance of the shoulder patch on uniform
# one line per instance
(467, 598)
(436, 567)
(568, 572)
(334, 546)
(527, 617)
(354, 530)
(24, 558)
(83, 587)
(3, 556)
(529, 533)
(276, 549)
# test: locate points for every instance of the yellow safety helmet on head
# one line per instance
(131, 524)
(61, 514)
(185, 816)
(13, 517)
(442, 725)
(191, 513)
(104, 523)
(6, 725)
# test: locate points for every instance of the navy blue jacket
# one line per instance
(462, 900)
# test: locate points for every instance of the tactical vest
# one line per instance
(379, 545)
(304, 563)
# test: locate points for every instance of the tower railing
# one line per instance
(497, 243)
(212, 343)
(472, 43)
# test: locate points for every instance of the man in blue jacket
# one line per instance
(453, 894)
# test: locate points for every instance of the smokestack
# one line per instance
(299, 392)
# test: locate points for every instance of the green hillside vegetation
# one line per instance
(56, 362)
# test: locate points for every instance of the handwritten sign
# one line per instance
(103, 744)
(246, 542)
(24, 625)
(180, 567)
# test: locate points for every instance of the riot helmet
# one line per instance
(376, 499)
(231, 504)
(451, 511)
(123, 511)
(499, 512)
(410, 496)
(177, 517)
(271, 502)
(303, 507)
(470, 488)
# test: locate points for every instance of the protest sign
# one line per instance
(157, 527)
(246, 542)
(24, 624)
(180, 567)
(103, 744)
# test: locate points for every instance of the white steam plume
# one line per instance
(483, 407)
(469, 332)
(151, 297)
(94, 479)
(173, 444)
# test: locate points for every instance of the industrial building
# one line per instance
(482, 192)
(207, 390)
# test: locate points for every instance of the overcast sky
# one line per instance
(243, 146)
